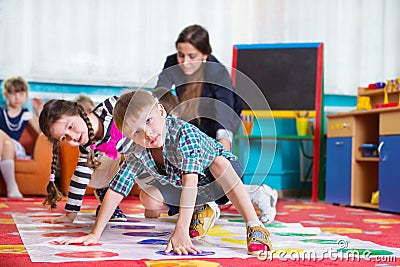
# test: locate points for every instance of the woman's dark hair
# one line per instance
(52, 111)
(196, 36)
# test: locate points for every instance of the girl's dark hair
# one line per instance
(196, 36)
(52, 111)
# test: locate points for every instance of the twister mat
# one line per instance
(141, 238)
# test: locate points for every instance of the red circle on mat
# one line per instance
(77, 244)
(58, 234)
(87, 254)
(62, 227)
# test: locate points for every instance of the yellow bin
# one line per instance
(302, 126)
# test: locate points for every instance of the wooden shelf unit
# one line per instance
(377, 95)
(364, 175)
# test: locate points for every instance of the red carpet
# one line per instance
(377, 227)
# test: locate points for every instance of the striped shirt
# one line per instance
(82, 174)
(186, 150)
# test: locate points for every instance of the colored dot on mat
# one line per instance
(153, 242)
(149, 234)
(132, 221)
(239, 221)
(87, 254)
(275, 225)
(364, 251)
(219, 231)
(78, 244)
(342, 230)
(234, 241)
(203, 253)
(58, 234)
(133, 227)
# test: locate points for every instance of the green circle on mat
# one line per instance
(363, 251)
(294, 234)
(240, 221)
(320, 241)
(275, 225)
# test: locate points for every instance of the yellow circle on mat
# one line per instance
(3, 206)
(342, 230)
(234, 241)
(219, 231)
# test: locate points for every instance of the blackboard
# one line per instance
(288, 75)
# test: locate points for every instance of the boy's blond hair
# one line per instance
(131, 105)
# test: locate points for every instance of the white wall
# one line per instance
(125, 42)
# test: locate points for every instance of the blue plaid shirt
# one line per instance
(186, 150)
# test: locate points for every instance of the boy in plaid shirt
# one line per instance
(189, 168)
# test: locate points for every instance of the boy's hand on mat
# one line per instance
(69, 217)
(85, 240)
(181, 244)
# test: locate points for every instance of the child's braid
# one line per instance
(53, 194)
(92, 162)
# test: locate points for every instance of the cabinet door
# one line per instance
(338, 170)
(389, 173)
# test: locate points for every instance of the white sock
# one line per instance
(254, 223)
(7, 170)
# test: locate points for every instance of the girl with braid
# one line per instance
(97, 137)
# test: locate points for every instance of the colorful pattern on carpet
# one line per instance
(312, 231)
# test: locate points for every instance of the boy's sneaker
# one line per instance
(117, 216)
(258, 240)
(203, 220)
(265, 198)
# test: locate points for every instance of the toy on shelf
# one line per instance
(369, 150)
(386, 103)
(364, 103)
(378, 85)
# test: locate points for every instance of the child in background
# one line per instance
(14, 118)
(192, 168)
(96, 135)
(86, 102)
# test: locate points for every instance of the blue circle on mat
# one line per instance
(133, 226)
(153, 242)
(132, 221)
(149, 234)
(203, 253)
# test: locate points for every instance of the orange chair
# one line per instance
(68, 161)
(32, 175)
